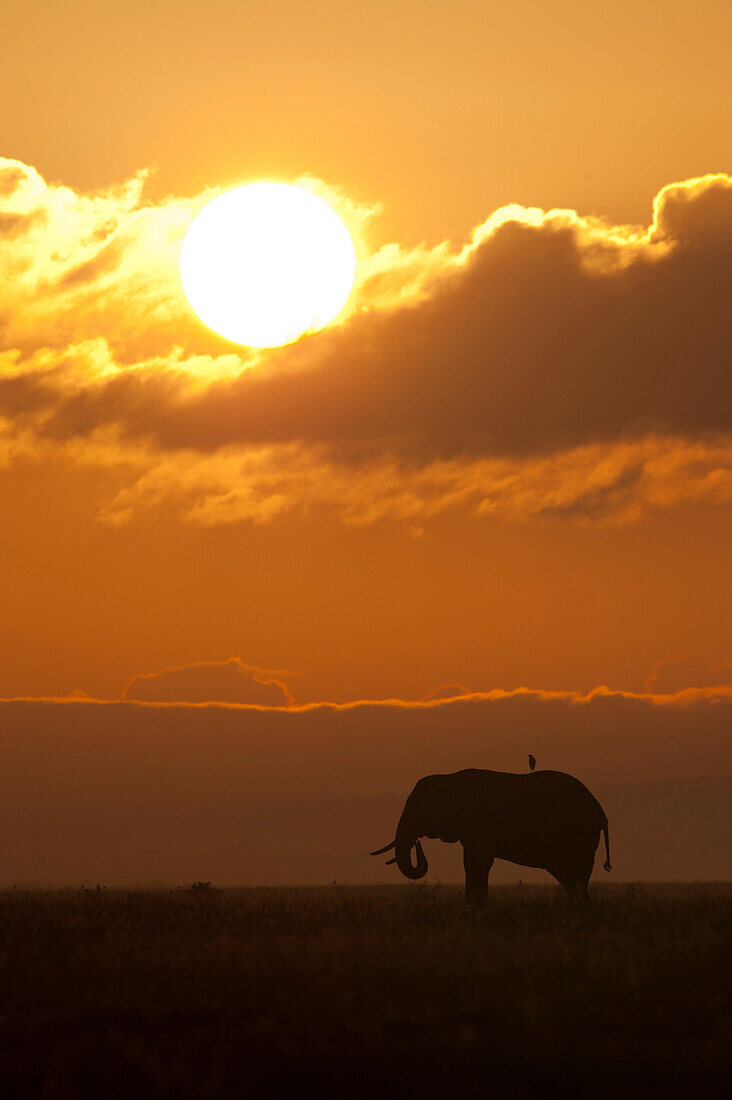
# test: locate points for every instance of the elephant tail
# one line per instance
(607, 864)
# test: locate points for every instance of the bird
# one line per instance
(532, 761)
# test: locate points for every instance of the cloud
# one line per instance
(210, 681)
(675, 674)
(601, 483)
(79, 268)
(555, 367)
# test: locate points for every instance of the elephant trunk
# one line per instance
(405, 841)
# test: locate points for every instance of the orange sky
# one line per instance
(508, 463)
(440, 111)
(504, 465)
(534, 493)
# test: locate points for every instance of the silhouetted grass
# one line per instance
(364, 991)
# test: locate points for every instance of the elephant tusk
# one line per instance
(386, 848)
(390, 861)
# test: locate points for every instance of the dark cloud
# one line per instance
(696, 218)
(550, 336)
(210, 681)
(558, 368)
(375, 746)
(674, 674)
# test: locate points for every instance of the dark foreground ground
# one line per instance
(364, 991)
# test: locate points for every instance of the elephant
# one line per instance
(542, 819)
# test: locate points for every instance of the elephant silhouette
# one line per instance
(542, 819)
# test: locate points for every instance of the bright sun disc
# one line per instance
(267, 262)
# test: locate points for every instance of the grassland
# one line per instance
(364, 991)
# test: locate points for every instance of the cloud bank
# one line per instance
(555, 367)
(132, 791)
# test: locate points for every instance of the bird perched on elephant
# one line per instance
(537, 819)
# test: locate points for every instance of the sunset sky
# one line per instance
(508, 463)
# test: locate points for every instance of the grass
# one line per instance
(364, 991)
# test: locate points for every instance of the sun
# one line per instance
(265, 263)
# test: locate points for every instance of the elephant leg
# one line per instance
(581, 874)
(584, 873)
(477, 863)
(578, 894)
(574, 879)
(575, 893)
